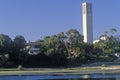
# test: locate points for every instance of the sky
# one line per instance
(35, 19)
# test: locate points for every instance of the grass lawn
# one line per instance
(61, 71)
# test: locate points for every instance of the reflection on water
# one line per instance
(86, 79)
(91, 79)
(64, 77)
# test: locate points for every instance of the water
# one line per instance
(64, 77)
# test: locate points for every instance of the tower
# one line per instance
(87, 22)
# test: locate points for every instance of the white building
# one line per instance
(103, 37)
(87, 22)
(95, 41)
(33, 48)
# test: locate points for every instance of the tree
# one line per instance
(113, 30)
(19, 54)
(74, 45)
(5, 47)
(5, 43)
(109, 43)
(74, 36)
(19, 42)
(73, 42)
(55, 49)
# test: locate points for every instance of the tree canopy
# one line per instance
(62, 49)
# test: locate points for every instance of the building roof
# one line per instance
(34, 43)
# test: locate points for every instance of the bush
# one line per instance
(19, 67)
(103, 65)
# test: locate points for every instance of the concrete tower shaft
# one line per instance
(87, 22)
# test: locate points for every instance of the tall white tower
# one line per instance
(87, 22)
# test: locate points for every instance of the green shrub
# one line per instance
(19, 67)
(103, 65)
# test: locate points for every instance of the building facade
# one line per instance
(33, 47)
(87, 22)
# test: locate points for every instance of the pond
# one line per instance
(64, 77)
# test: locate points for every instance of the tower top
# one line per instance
(84, 3)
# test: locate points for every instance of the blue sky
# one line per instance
(35, 19)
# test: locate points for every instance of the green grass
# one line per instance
(57, 71)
